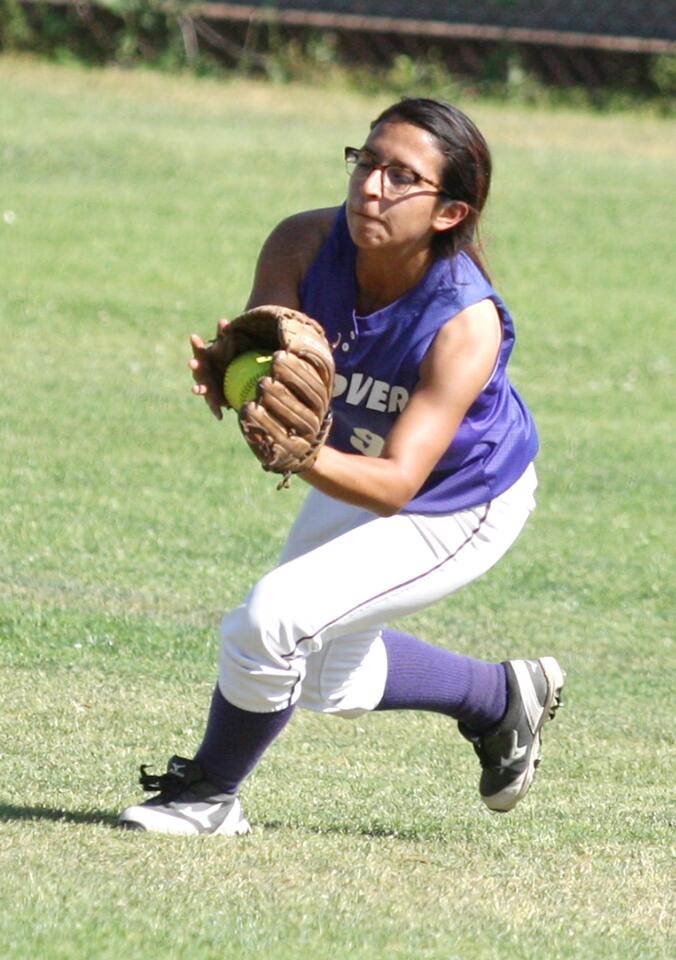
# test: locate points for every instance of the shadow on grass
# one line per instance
(10, 812)
(370, 831)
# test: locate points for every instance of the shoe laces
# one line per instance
(180, 774)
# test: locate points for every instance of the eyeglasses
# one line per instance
(395, 179)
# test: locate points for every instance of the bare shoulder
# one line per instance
(304, 232)
(478, 322)
(287, 255)
(468, 341)
(320, 219)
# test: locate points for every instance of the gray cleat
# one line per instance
(510, 752)
(186, 804)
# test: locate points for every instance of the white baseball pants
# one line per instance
(309, 631)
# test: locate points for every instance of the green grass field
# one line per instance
(132, 206)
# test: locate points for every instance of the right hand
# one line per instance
(207, 371)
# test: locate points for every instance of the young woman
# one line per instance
(426, 481)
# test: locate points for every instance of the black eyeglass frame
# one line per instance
(352, 154)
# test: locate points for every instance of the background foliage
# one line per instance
(169, 35)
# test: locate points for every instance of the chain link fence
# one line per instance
(637, 20)
(604, 43)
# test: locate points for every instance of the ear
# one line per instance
(449, 215)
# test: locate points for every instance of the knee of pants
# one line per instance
(263, 628)
(261, 668)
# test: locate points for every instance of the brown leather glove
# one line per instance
(288, 422)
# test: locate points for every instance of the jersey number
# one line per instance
(370, 444)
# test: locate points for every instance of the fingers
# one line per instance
(202, 390)
(197, 343)
(199, 362)
(199, 370)
(203, 376)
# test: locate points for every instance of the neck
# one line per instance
(382, 279)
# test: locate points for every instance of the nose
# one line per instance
(373, 184)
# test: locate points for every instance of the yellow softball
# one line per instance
(242, 376)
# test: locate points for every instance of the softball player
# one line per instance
(426, 481)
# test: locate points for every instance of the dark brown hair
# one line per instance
(467, 170)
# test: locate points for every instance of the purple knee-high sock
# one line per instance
(235, 740)
(423, 677)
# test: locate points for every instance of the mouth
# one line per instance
(364, 216)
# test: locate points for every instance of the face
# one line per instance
(382, 219)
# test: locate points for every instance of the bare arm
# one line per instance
(286, 256)
(453, 374)
(282, 264)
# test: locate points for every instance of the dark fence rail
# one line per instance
(628, 20)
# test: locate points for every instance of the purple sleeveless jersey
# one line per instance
(378, 359)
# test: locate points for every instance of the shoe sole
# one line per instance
(242, 828)
(147, 820)
(556, 679)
